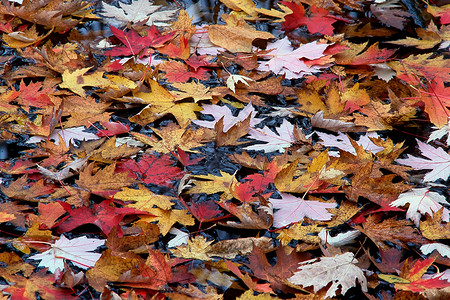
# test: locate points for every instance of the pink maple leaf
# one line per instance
(292, 209)
(283, 59)
(438, 162)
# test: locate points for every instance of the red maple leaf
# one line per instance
(179, 72)
(152, 169)
(32, 95)
(318, 21)
(184, 159)
(104, 215)
(113, 128)
(256, 184)
(197, 61)
(134, 43)
(205, 211)
(181, 51)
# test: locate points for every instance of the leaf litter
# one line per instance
(292, 151)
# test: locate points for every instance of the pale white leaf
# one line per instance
(332, 124)
(439, 133)
(233, 79)
(68, 135)
(438, 162)
(283, 137)
(442, 275)
(180, 238)
(136, 11)
(229, 120)
(340, 270)
(340, 239)
(342, 142)
(443, 250)
(292, 209)
(66, 172)
(76, 250)
(383, 71)
(201, 43)
(421, 201)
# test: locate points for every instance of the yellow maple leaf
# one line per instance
(161, 102)
(173, 136)
(211, 184)
(144, 199)
(167, 218)
(196, 248)
(76, 80)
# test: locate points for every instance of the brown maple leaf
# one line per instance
(398, 232)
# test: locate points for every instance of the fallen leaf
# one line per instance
(438, 162)
(340, 270)
(292, 209)
(422, 201)
(77, 250)
(138, 10)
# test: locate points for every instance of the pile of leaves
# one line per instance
(293, 151)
